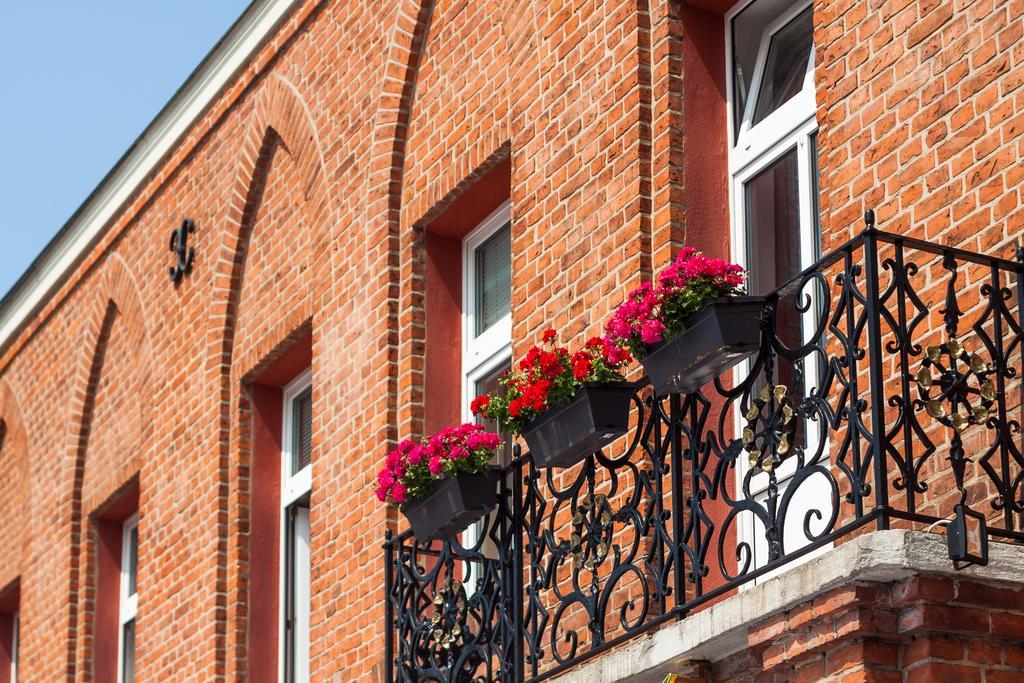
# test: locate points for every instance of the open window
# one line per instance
(775, 230)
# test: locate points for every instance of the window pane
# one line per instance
(132, 561)
(493, 266)
(486, 385)
(773, 237)
(298, 599)
(784, 72)
(772, 200)
(302, 439)
(128, 652)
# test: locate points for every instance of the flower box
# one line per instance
(454, 504)
(722, 334)
(564, 435)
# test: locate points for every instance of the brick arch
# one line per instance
(116, 297)
(382, 219)
(14, 445)
(280, 119)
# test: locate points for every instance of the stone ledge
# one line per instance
(719, 631)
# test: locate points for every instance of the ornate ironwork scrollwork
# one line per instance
(837, 416)
(768, 436)
(447, 628)
(592, 531)
(954, 404)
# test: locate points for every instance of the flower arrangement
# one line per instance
(411, 470)
(652, 314)
(549, 376)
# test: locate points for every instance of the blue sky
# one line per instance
(81, 80)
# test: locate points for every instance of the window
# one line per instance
(296, 483)
(487, 323)
(773, 189)
(129, 600)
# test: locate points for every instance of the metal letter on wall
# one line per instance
(185, 253)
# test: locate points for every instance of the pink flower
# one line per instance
(435, 465)
(459, 452)
(382, 493)
(385, 478)
(651, 331)
(415, 456)
(394, 460)
(398, 493)
(478, 440)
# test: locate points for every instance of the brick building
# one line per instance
(390, 202)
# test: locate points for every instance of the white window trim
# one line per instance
(495, 344)
(293, 488)
(127, 605)
(789, 127)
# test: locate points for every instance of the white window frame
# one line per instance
(127, 605)
(294, 487)
(482, 354)
(752, 150)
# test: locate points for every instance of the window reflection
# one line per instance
(786, 66)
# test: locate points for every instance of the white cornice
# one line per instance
(50, 269)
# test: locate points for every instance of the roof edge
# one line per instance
(92, 219)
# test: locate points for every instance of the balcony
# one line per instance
(886, 393)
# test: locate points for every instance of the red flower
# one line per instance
(549, 335)
(582, 364)
(480, 404)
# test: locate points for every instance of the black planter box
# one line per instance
(723, 333)
(563, 436)
(452, 506)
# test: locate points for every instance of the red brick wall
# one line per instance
(920, 109)
(922, 629)
(311, 180)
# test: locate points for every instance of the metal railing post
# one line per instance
(678, 526)
(518, 517)
(389, 611)
(876, 385)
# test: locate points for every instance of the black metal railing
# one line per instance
(886, 392)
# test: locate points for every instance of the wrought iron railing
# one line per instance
(886, 391)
